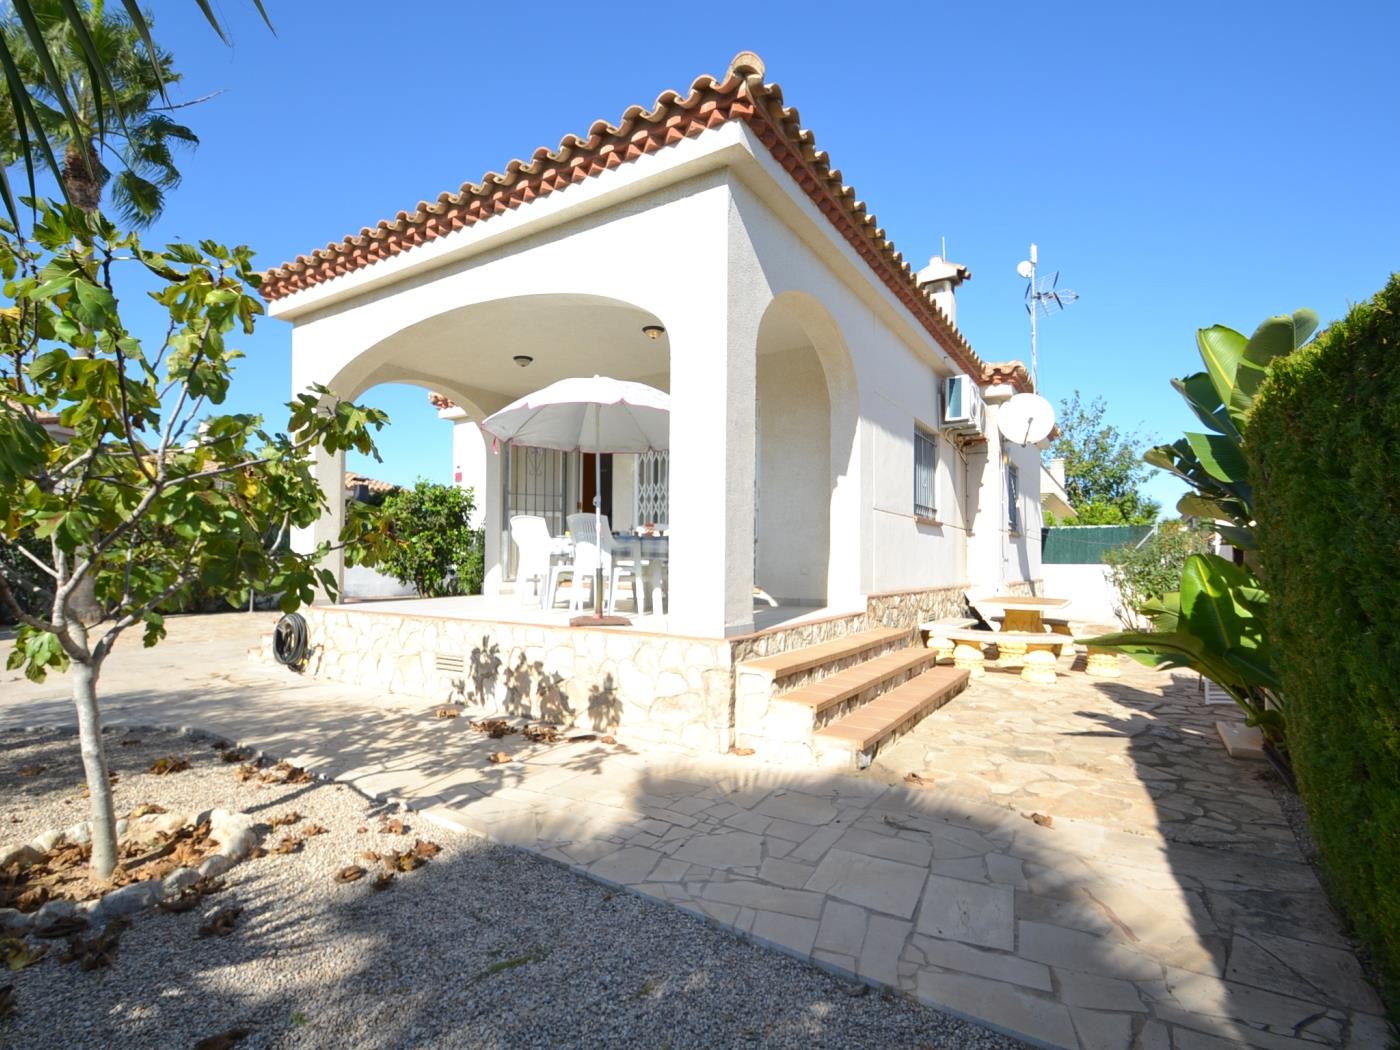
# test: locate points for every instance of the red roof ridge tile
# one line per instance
(741, 94)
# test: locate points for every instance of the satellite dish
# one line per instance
(1026, 419)
(1025, 268)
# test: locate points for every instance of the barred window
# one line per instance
(925, 474)
(1013, 499)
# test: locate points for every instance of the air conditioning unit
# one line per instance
(964, 411)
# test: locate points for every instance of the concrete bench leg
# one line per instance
(1011, 654)
(943, 646)
(1102, 663)
(1039, 667)
(970, 658)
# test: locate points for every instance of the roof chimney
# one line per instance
(941, 278)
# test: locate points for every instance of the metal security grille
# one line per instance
(1013, 499)
(653, 488)
(925, 475)
(536, 482)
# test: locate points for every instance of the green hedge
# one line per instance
(1324, 450)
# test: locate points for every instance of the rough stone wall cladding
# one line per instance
(645, 687)
(905, 609)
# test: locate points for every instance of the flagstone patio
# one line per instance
(1166, 906)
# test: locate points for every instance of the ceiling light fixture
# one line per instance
(653, 331)
(523, 360)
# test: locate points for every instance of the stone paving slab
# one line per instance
(1121, 925)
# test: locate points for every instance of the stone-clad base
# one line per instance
(648, 686)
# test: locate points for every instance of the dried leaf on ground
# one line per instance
(447, 712)
(371, 856)
(282, 773)
(392, 827)
(350, 873)
(246, 772)
(607, 740)
(314, 829)
(918, 780)
(498, 757)
(742, 752)
(426, 849)
(92, 953)
(285, 819)
(361, 830)
(221, 923)
(396, 861)
(257, 853)
(169, 764)
(223, 1040)
(1043, 819)
(541, 734)
(383, 881)
(146, 809)
(288, 844)
(236, 754)
(191, 895)
(495, 728)
(32, 771)
(17, 954)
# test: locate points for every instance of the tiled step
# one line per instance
(864, 678)
(810, 658)
(852, 740)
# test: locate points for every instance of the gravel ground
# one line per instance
(484, 946)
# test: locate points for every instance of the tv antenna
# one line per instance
(1043, 297)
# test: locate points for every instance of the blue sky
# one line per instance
(1181, 165)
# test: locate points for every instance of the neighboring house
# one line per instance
(1053, 497)
(706, 246)
(366, 489)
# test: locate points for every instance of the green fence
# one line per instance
(1087, 544)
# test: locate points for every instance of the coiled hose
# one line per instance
(289, 641)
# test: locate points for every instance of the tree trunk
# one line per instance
(84, 181)
(103, 817)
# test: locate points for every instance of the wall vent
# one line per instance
(449, 663)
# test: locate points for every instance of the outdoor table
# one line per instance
(1024, 613)
(650, 553)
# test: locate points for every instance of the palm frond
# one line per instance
(138, 201)
(39, 41)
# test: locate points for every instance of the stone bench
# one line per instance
(1014, 649)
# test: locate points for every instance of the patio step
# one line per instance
(830, 697)
(786, 670)
(782, 702)
(851, 741)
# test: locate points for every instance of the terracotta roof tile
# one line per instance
(740, 95)
(353, 481)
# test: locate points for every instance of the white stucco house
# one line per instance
(706, 246)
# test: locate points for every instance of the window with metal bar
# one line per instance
(925, 474)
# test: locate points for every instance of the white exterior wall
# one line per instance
(470, 451)
(794, 476)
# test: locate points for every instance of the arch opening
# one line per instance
(805, 420)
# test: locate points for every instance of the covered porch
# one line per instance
(744, 502)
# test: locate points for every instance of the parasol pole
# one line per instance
(597, 515)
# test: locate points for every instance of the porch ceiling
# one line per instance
(566, 336)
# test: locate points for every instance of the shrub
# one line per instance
(433, 546)
(1150, 570)
(1324, 456)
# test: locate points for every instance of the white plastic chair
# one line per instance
(587, 555)
(536, 564)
